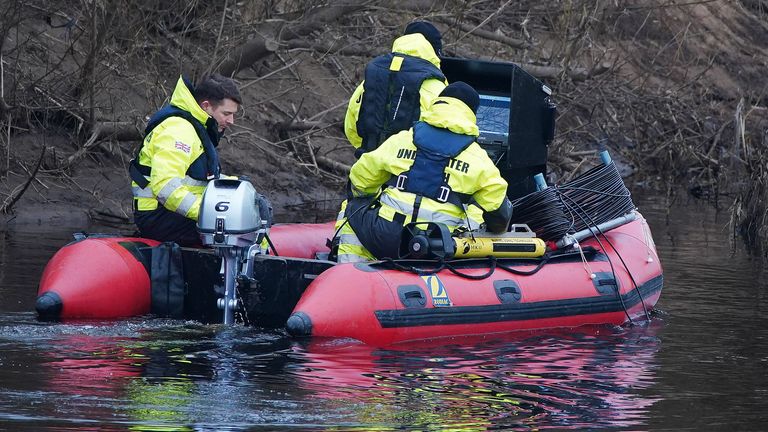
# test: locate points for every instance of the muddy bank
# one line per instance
(675, 91)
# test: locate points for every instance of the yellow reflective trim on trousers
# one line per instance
(339, 223)
(346, 229)
(340, 218)
(424, 214)
(352, 258)
(347, 252)
(350, 248)
(349, 239)
(142, 193)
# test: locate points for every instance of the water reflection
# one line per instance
(184, 376)
(594, 377)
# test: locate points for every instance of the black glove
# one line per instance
(265, 208)
(497, 221)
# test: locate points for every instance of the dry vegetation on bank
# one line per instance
(674, 88)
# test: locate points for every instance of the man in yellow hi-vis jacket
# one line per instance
(397, 88)
(430, 172)
(178, 158)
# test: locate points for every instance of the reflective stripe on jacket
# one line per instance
(432, 82)
(179, 156)
(470, 173)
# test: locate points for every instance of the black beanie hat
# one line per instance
(430, 32)
(463, 92)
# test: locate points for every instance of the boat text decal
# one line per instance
(437, 290)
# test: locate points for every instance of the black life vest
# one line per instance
(435, 147)
(391, 97)
(205, 167)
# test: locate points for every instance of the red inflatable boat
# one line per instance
(611, 277)
(612, 280)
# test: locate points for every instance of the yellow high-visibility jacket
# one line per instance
(471, 172)
(415, 45)
(170, 149)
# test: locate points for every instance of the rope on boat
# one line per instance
(595, 197)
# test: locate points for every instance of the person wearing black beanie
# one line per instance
(430, 32)
(432, 172)
(463, 92)
(397, 87)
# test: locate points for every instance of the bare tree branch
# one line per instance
(10, 201)
(260, 47)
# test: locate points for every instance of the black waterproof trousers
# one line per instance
(164, 225)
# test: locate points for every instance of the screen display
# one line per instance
(493, 114)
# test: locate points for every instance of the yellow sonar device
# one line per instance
(429, 240)
(501, 247)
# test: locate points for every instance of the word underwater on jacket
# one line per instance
(456, 164)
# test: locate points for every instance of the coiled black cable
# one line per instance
(600, 194)
(544, 213)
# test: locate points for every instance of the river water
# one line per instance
(700, 364)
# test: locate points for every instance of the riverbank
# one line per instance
(675, 91)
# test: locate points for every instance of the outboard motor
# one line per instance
(230, 223)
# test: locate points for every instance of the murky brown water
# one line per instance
(700, 364)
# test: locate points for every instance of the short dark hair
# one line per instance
(215, 88)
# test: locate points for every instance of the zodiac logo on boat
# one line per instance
(437, 290)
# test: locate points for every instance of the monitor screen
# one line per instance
(493, 115)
